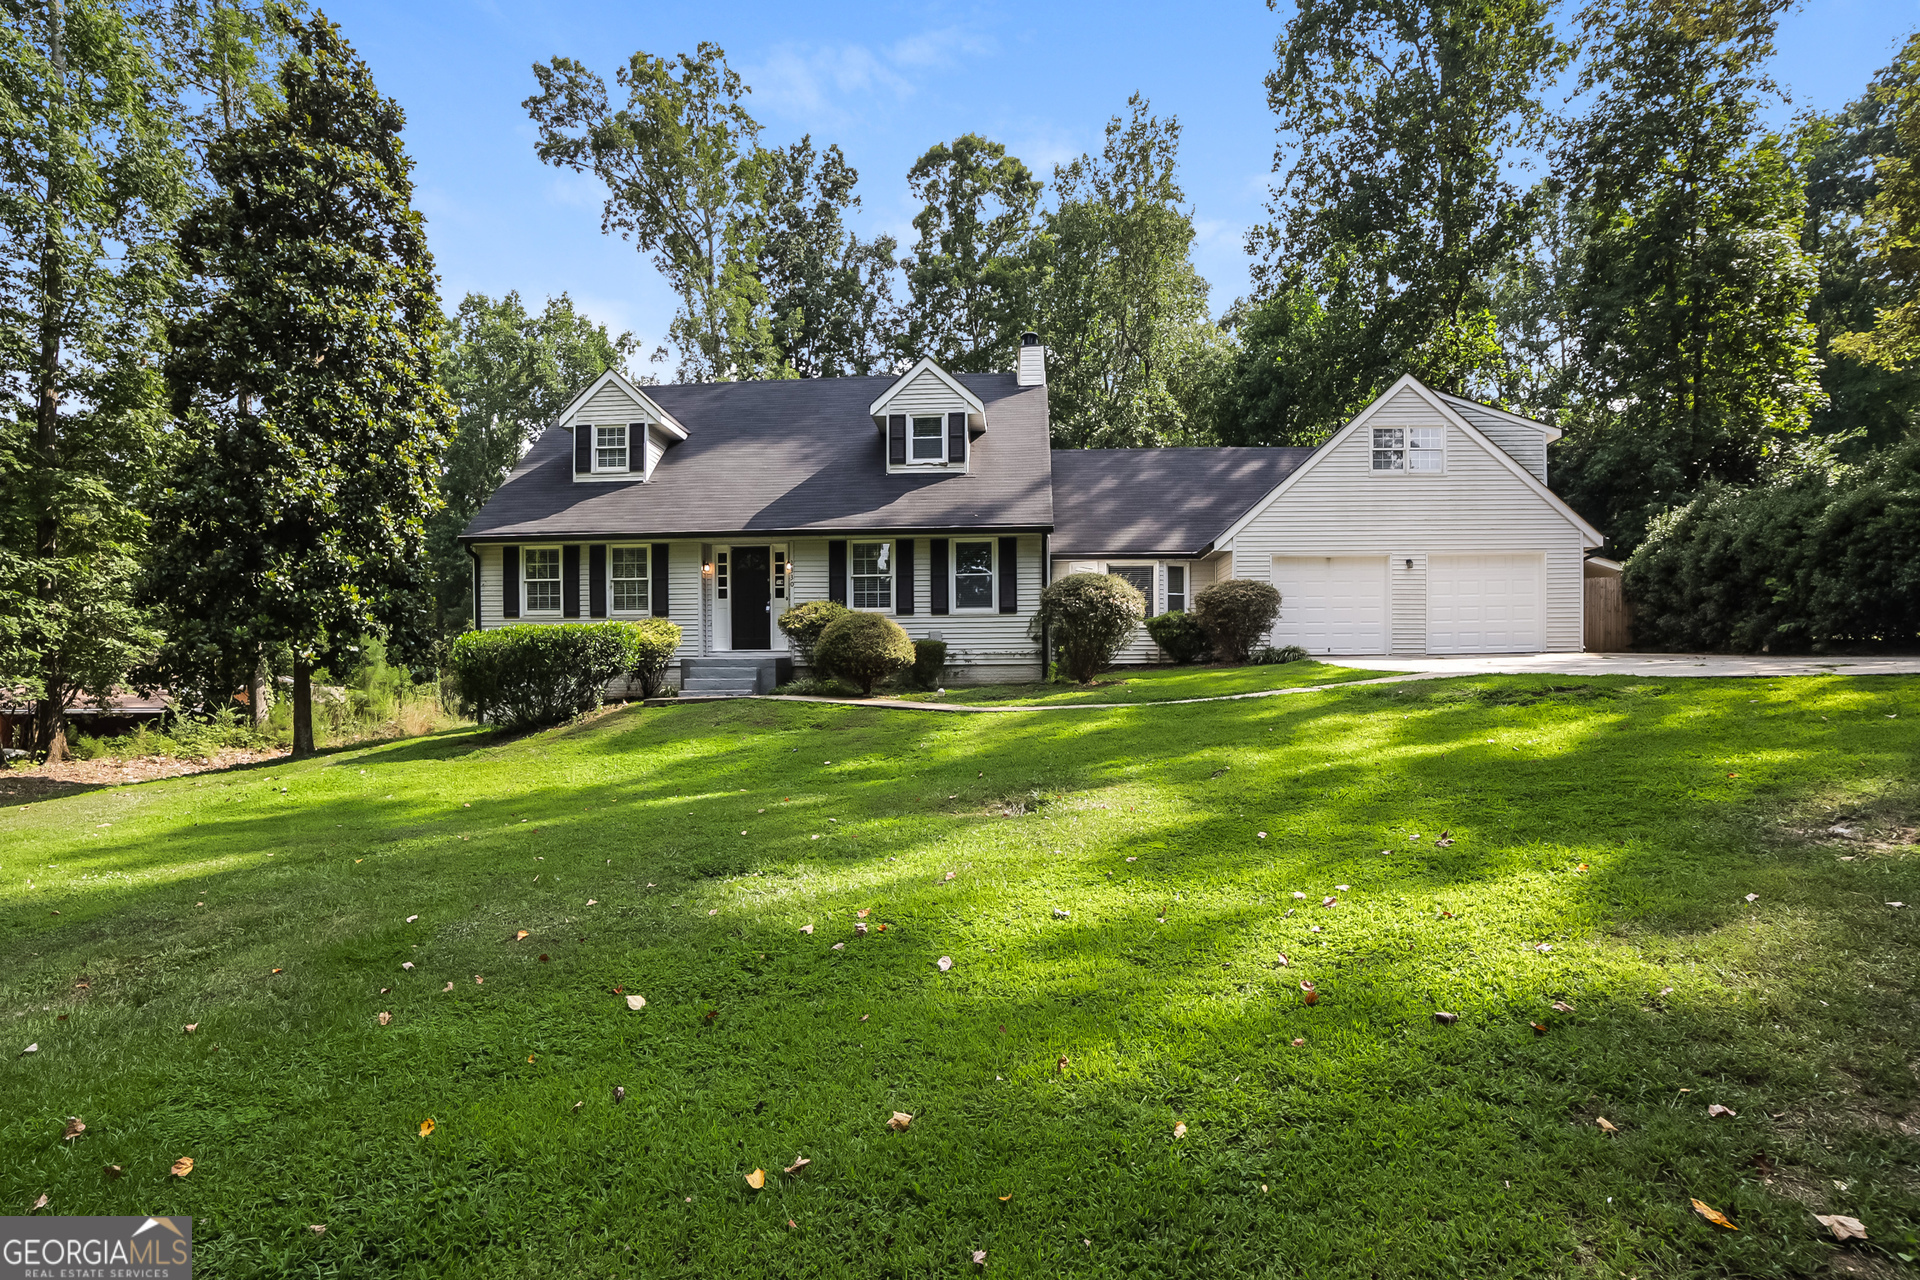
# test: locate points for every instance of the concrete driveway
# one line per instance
(1636, 664)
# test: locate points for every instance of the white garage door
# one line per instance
(1484, 604)
(1332, 604)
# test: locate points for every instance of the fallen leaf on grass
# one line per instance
(426, 1126)
(182, 1167)
(952, 874)
(39, 1204)
(75, 1127)
(1539, 1028)
(385, 1018)
(1543, 947)
(1298, 1042)
(1309, 993)
(712, 1016)
(636, 1002)
(839, 946)
(1843, 1227)
(32, 1048)
(1607, 1126)
(1561, 1006)
(859, 930)
(189, 1029)
(113, 1171)
(518, 936)
(411, 919)
(619, 1093)
(1060, 1066)
(279, 970)
(405, 964)
(757, 1179)
(1713, 1215)
(1446, 838)
(1283, 961)
(1753, 897)
(1444, 1018)
(899, 1121)
(593, 902)
(479, 981)
(945, 963)
(543, 956)
(577, 1106)
(1715, 1111)
(446, 988)
(318, 1228)
(865, 1016)
(862, 912)
(1328, 902)
(1180, 1129)
(806, 928)
(979, 1257)
(799, 1163)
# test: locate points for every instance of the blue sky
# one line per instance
(885, 81)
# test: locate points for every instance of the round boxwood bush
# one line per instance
(652, 646)
(1179, 635)
(804, 624)
(1237, 615)
(1088, 618)
(863, 648)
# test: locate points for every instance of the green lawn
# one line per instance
(1606, 835)
(1154, 684)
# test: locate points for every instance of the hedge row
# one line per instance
(1815, 563)
(525, 675)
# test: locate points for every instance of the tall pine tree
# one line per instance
(308, 387)
(92, 177)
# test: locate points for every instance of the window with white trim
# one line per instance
(1176, 588)
(1140, 575)
(1410, 449)
(870, 565)
(779, 573)
(929, 442)
(610, 448)
(973, 575)
(628, 567)
(540, 575)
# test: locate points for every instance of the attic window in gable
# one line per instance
(610, 449)
(929, 439)
(1409, 449)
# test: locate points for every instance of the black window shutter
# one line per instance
(1009, 575)
(597, 580)
(582, 448)
(657, 564)
(937, 585)
(956, 437)
(509, 582)
(903, 576)
(897, 439)
(570, 581)
(636, 446)
(837, 571)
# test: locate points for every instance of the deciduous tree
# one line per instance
(967, 278)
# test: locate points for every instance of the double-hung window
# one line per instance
(629, 570)
(973, 575)
(872, 571)
(1176, 588)
(1140, 575)
(542, 579)
(1409, 449)
(929, 440)
(609, 448)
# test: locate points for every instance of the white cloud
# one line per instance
(831, 83)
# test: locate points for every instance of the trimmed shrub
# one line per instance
(1270, 656)
(528, 674)
(1088, 618)
(1813, 562)
(1236, 615)
(1179, 635)
(655, 641)
(929, 660)
(804, 624)
(863, 648)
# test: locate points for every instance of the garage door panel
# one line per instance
(1485, 603)
(1332, 604)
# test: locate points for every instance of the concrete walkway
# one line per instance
(1695, 665)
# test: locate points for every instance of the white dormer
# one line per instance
(928, 421)
(619, 433)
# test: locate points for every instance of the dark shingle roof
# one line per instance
(1158, 502)
(786, 457)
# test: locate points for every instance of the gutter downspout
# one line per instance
(1046, 580)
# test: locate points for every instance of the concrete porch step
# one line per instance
(733, 675)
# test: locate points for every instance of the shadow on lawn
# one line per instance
(1397, 1146)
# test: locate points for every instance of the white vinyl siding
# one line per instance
(1139, 648)
(609, 404)
(1524, 444)
(1339, 506)
(1332, 604)
(981, 647)
(926, 394)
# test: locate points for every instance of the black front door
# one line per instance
(752, 570)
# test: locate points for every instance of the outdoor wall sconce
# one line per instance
(1409, 562)
(706, 570)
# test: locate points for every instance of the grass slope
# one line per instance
(1606, 836)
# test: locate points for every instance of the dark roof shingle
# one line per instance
(1158, 502)
(786, 457)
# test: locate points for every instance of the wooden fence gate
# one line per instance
(1609, 616)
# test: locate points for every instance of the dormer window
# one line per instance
(929, 439)
(610, 449)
